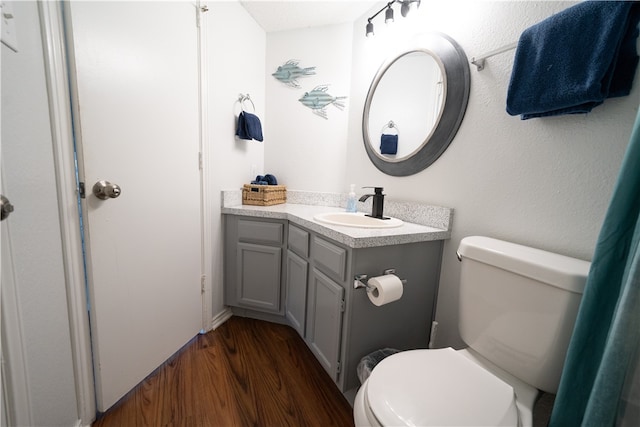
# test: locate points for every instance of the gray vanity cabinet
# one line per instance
(403, 324)
(278, 271)
(315, 301)
(254, 263)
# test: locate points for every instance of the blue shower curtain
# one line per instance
(605, 340)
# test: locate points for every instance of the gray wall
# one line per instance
(543, 182)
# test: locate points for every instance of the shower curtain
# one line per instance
(603, 353)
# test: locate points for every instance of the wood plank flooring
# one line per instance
(245, 373)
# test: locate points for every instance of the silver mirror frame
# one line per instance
(456, 75)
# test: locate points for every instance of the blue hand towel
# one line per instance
(249, 127)
(271, 179)
(241, 128)
(388, 144)
(253, 126)
(575, 59)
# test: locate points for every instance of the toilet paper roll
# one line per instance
(384, 289)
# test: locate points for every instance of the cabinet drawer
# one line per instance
(260, 232)
(329, 258)
(298, 241)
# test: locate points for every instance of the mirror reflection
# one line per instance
(405, 109)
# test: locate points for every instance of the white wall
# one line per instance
(543, 182)
(304, 150)
(30, 183)
(236, 47)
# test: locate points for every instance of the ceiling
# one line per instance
(293, 14)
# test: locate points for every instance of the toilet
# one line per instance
(517, 310)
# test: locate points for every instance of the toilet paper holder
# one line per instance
(360, 280)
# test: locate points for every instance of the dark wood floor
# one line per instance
(245, 373)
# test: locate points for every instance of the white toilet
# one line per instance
(517, 310)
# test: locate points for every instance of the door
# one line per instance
(136, 115)
(324, 321)
(296, 306)
(259, 278)
(13, 375)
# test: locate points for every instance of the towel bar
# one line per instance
(390, 125)
(242, 98)
(479, 61)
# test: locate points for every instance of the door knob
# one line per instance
(105, 190)
(5, 207)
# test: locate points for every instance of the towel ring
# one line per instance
(391, 125)
(242, 98)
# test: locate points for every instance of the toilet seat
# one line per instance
(438, 388)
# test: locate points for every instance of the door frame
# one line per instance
(56, 74)
(52, 21)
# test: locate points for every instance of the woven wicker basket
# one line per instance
(264, 195)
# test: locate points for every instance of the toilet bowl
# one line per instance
(520, 305)
(442, 387)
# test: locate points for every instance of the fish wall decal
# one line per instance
(318, 99)
(289, 72)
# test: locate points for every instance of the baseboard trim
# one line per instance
(220, 318)
(258, 315)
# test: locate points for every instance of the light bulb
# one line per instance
(388, 15)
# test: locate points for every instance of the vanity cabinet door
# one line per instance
(259, 278)
(254, 263)
(296, 300)
(324, 321)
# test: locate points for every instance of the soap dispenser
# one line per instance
(351, 199)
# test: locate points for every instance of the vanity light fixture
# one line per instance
(405, 7)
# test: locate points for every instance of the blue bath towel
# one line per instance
(388, 144)
(574, 60)
(249, 127)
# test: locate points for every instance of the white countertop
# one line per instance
(353, 237)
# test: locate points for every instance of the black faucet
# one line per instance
(378, 202)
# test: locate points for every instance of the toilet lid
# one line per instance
(438, 388)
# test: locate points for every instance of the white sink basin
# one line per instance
(356, 219)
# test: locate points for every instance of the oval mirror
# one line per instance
(415, 105)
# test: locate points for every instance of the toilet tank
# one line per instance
(518, 306)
